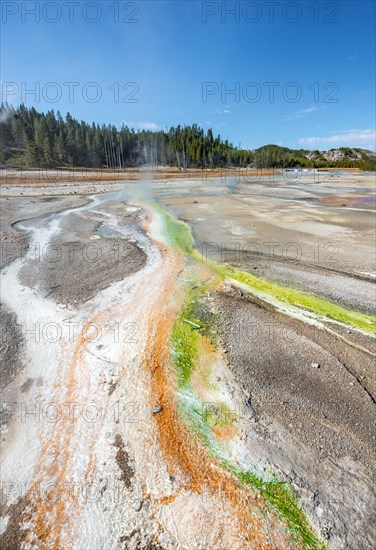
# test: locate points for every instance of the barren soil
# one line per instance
(95, 453)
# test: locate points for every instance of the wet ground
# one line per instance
(90, 290)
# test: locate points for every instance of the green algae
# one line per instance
(179, 235)
(185, 339)
(201, 418)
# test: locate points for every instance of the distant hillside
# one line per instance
(29, 139)
(345, 157)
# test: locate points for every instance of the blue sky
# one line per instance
(302, 74)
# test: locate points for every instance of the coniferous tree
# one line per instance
(29, 138)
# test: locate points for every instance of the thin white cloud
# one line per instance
(311, 109)
(219, 111)
(352, 137)
(143, 125)
(301, 113)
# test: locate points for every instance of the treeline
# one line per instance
(29, 139)
(33, 139)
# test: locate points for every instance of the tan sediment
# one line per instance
(35, 177)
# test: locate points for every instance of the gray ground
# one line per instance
(11, 345)
(76, 267)
(288, 232)
(337, 267)
(71, 270)
(11, 348)
(14, 243)
(313, 426)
